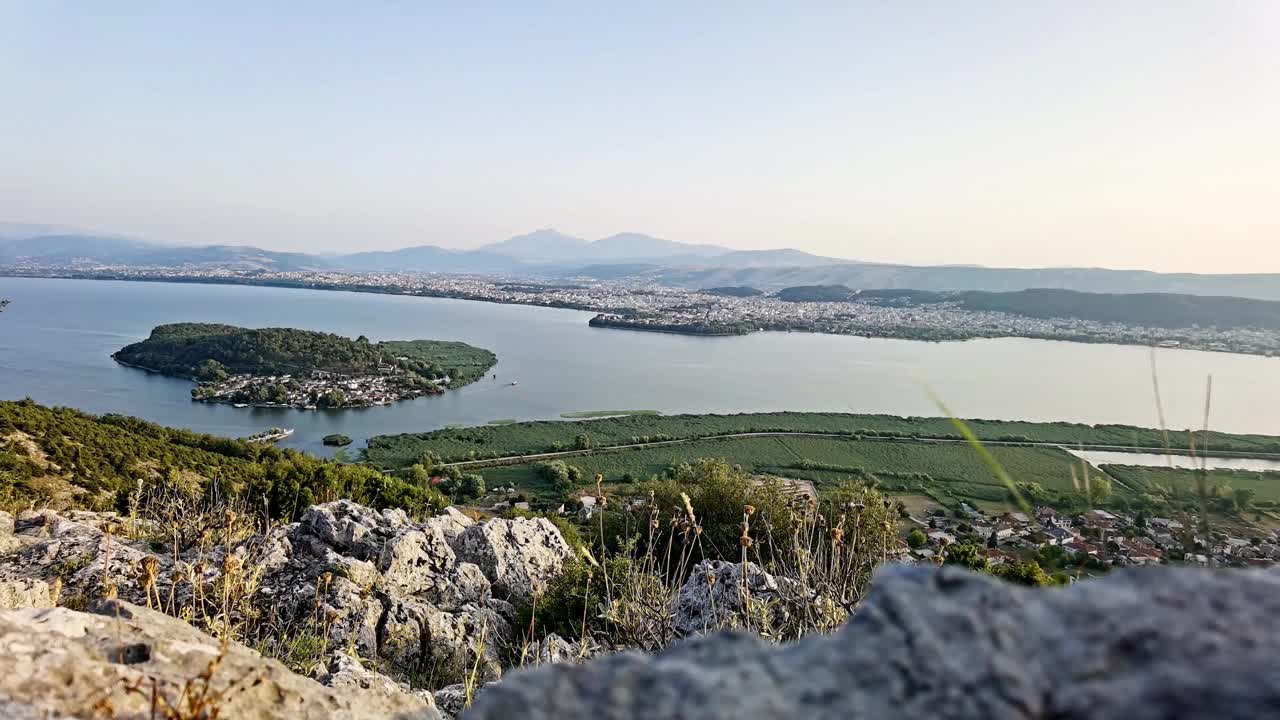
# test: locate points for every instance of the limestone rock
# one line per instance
(8, 542)
(451, 700)
(352, 529)
(519, 556)
(77, 550)
(376, 582)
(343, 671)
(18, 594)
(713, 594)
(452, 523)
(1140, 644)
(416, 561)
(419, 635)
(59, 662)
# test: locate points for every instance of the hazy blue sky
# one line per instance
(1122, 134)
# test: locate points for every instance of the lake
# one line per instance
(57, 336)
(1106, 457)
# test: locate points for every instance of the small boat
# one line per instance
(513, 382)
(241, 405)
(271, 435)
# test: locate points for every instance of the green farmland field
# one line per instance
(458, 444)
(1265, 485)
(953, 471)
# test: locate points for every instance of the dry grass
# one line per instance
(213, 592)
(820, 554)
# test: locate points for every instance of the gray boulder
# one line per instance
(712, 597)
(342, 671)
(62, 663)
(18, 594)
(77, 550)
(417, 635)
(451, 700)
(8, 542)
(519, 556)
(1140, 644)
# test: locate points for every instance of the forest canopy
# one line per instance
(210, 352)
(66, 458)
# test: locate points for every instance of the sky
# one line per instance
(1136, 134)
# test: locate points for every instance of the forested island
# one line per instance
(286, 367)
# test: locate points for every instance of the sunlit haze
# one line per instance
(1134, 134)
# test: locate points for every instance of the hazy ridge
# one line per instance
(634, 256)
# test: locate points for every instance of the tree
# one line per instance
(1025, 572)
(1244, 498)
(1099, 490)
(916, 539)
(211, 371)
(966, 555)
(582, 441)
(428, 461)
(332, 399)
(993, 540)
(558, 475)
(420, 476)
(469, 487)
(1140, 520)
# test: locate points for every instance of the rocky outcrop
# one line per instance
(519, 556)
(419, 596)
(18, 594)
(1141, 644)
(712, 597)
(7, 541)
(123, 661)
(422, 599)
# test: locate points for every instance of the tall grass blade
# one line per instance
(984, 454)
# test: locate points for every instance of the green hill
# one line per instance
(65, 458)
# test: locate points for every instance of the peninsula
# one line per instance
(1170, 320)
(286, 367)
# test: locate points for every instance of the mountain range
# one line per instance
(550, 253)
(541, 251)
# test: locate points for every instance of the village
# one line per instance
(1072, 547)
(1087, 543)
(319, 389)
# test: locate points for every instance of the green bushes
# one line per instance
(620, 592)
(106, 456)
(563, 478)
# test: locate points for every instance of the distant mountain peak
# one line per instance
(540, 245)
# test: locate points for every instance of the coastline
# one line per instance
(274, 406)
(392, 290)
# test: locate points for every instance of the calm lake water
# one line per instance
(1103, 457)
(57, 336)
